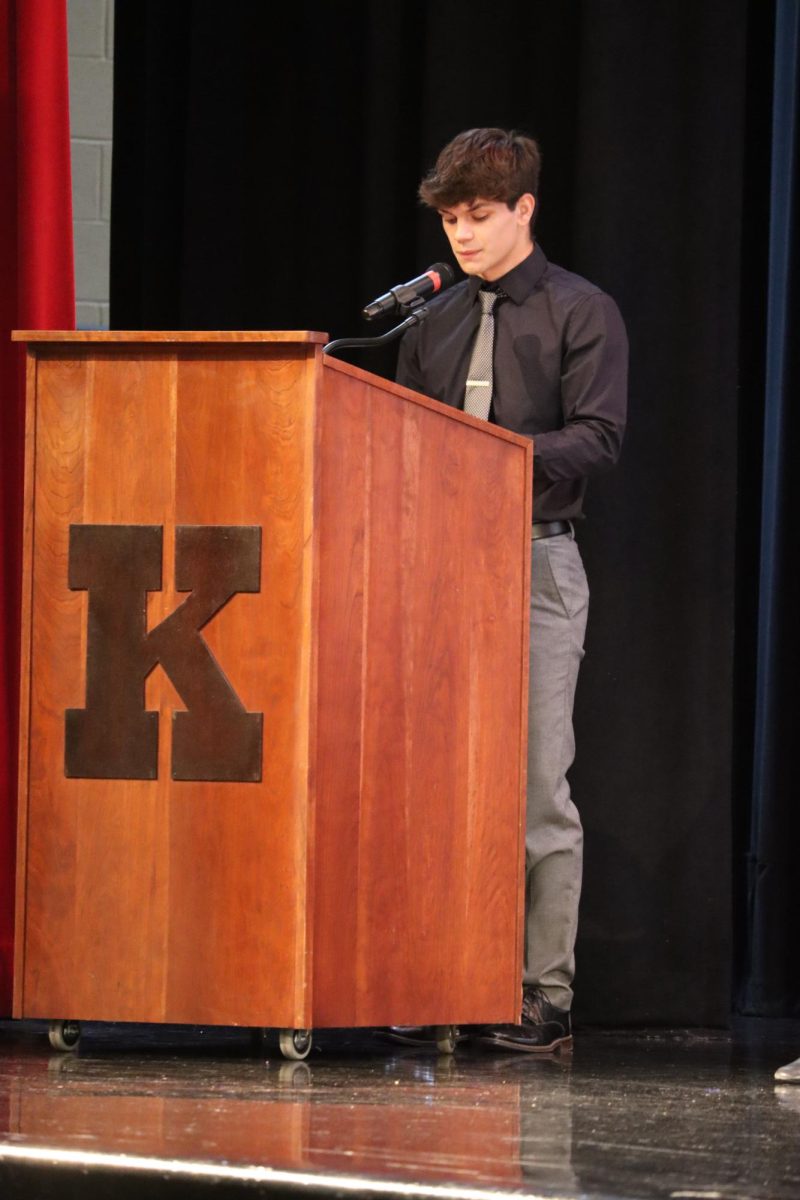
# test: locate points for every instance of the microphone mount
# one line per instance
(417, 312)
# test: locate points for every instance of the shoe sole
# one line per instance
(399, 1040)
(419, 1043)
(559, 1046)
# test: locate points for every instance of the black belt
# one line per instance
(540, 529)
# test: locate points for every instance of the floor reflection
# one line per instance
(626, 1115)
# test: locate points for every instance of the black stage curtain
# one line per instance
(771, 978)
(265, 170)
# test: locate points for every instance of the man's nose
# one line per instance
(463, 231)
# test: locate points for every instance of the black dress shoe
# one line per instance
(544, 1029)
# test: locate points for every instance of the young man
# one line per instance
(542, 352)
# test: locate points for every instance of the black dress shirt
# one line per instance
(560, 371)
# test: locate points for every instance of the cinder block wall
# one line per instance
(91, 78)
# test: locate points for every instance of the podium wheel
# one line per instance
(64, 1035)
(295, 1043)
(446, 1038)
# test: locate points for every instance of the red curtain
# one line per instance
(37, 291)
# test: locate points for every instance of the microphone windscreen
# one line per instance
(445, 273)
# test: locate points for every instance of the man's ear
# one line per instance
(525, 206)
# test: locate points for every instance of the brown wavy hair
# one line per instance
(490, 164)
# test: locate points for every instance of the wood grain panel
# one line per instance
(422, 665)
(56, 653)
(123, 823)
(344, 487)
(164, 900)
(96, 850)
(244, 439)
(26, 622)
(115, 336)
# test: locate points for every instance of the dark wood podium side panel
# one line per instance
(165, 900)
(422, 680)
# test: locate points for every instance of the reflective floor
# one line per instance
(142, 1111)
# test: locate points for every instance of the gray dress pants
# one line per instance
(554, 838)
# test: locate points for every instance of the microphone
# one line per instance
(436, 279)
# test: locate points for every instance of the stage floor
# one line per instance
(143, 1112)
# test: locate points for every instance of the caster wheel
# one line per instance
(295, 1043)
(446, 1038)
(64, 1035)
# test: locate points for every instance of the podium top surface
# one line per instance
(310, 339)
(167, 335)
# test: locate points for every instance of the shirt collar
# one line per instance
(519, 282)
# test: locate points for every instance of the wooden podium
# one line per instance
(274, 690)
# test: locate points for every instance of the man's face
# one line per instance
(489, 238)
